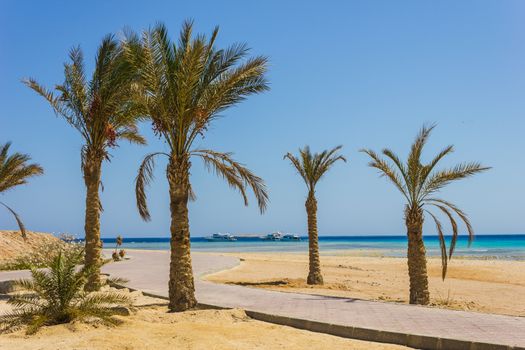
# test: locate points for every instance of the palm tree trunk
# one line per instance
(92, 173)
(314, 274)
(417, 262)
(181, 284)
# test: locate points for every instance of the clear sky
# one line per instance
(356, 73)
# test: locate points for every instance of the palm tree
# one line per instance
(312, 168)
(103, 112)
(419, 184)
(185, 85)
(15, 171)
(57, 295)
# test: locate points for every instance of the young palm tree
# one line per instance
(419, 183)
(57, 296)
(185, 85)
(312, 168)
(15, 171)
(103, 112)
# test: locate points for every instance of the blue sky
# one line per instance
(356, 73)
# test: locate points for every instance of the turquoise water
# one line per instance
(511, 247)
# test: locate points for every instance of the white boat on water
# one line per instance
(274, 236)
(221, 237)
(291, 237)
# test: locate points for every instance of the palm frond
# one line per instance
(459, 212)
(102, 109)
(454, 228)
(312, 167)
(397, 162)
(185, 84)
(14, 169)
(427, 169)
(414, 158)
(143, 180)
(297, 165)
(18, 220)
(237, 175)
(442, 244)
(442, 178)
(56, 295)
(387, 171)
(16, 319)
(132, 135)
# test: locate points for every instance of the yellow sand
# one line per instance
(12, 244)
(154, 328)
(493, 286)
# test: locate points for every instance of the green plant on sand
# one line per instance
(57, 295)
(419, 184)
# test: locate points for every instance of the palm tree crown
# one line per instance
(185, 87)
(15, 171)
(312, 167)
(420, 182)
(101, 109)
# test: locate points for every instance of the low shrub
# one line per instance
(56, 295)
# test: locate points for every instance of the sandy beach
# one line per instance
(154, 328)
(491, 286)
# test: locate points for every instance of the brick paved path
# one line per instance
(148, 271)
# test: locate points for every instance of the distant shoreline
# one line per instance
(504, 246)
(321, 236)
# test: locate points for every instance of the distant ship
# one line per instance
(274, 236)
(291, 237)
(221, 237)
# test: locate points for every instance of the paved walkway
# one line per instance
(148, 271)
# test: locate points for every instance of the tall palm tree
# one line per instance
(103, 112)
(15, 171)
(185, 85)
(312, 168)
(419, 184)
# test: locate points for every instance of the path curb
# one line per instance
(411, 340)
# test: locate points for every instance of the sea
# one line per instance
(495, 246)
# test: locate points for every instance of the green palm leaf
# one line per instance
(15, 171)
(57, 295)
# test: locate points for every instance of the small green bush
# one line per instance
(56, 295)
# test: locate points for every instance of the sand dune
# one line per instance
(12, 244)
